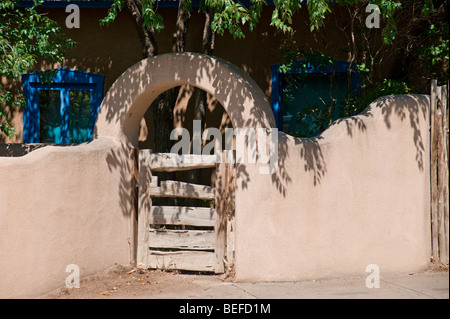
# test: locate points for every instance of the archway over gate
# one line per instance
(132, 93)
(129, 98)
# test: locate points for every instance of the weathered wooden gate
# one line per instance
(180, 237)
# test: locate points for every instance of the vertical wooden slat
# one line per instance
(135, 206)
(433, 173)
(440, 174)
(144, 209)
(230, 212)
(443, 167)
(220, 228)
(445, 96)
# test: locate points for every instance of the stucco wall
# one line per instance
(356, 195)
(73, 205)
(61, 206)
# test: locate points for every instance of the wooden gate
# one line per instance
(180, 237)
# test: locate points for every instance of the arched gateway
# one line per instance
(130, 96)
(160, 243)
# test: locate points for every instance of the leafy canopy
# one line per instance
(25, 37)
(229, 15)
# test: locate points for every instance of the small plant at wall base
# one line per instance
(25, 37)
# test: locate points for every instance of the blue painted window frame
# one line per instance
(341, 68)
(65, 80)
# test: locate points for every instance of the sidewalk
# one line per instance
(416, 286)
(118, 282)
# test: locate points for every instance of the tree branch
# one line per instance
(181, 27)
(149, 46)
(209, 35)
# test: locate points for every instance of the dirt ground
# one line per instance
(120, 282)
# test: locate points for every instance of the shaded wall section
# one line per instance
(357, 194)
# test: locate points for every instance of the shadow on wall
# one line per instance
(130, 96)
(247, 107)
(22, 149)
(406, 107)
(122, 159)
(412, 108)
(230, 85)
(17, 149)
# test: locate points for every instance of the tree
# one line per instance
(220, 15)
(424, 42)
(414, 34)
(25, 37)
(366, 48)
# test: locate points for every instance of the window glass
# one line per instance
(50, 116)
(313, 91)
(79, 116)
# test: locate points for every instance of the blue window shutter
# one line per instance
(64, 80)
(31, 109)
(26, 123)
(276, 96)
(277, 85)
(65, 116)
(96, 98)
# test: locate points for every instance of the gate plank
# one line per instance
(179, 215)
(171, 162)
(182, 260)
(222, 206)
(181, 239)
(196, 249)
(145, 202)
(182, 189)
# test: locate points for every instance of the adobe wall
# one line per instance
(74, 204)
(60, 206)
(356, 195)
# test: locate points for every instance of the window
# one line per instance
(62, 109)
(292, 92)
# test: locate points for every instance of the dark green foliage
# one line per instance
(25, 36)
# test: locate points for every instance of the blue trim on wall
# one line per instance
(107, 4)
(276, 95)
(65, 80)
(341, 67)
(63, 4)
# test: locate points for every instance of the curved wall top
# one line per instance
(133, 92)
